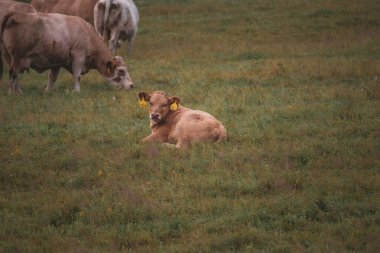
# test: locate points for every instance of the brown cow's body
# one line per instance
(179, 125)
(79, 8)
(7, 7)
(50, 41)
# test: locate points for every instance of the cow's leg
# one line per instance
(183, 143)
(112, 43)
(53, 74)
(153, 138)
(129, 47)
(77, 83)
(1, 65)
(13, 82)
(77, 72)
(6, 58)
(168, 145)
(130, 43)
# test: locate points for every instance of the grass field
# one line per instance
(296, 84)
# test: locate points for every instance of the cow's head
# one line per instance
(159, 105)
(117, 73)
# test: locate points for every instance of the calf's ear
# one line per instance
(174, 102)
(144, 98)
(144, 95)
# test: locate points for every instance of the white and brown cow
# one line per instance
(43, 41)
(173, 124)
(7, 7)
(114, 20)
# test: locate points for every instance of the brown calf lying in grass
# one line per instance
(174, 124)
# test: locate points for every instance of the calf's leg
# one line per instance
(153, 138)
(183, 143)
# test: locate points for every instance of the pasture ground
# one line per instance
(295, 82)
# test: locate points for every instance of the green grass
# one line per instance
(297, 86)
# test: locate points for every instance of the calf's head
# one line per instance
(160, 105)
(117, 73)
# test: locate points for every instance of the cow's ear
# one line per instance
(110, 65)
(117, 59)
(174, 102)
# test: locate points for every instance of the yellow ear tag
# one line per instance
(143, 103)
(174, 106)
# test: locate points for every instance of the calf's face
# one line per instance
(119, 76)
(159, 105)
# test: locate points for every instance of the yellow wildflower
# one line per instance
(17, 151)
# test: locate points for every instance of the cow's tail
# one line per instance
(4, 24)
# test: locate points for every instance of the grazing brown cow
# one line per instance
(43, 41)
(7, 7)
(174, 124)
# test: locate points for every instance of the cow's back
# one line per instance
(8, 6)
(22, 32)
(46, 40)
(44, 5)
(79, 8)
(197, 126)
